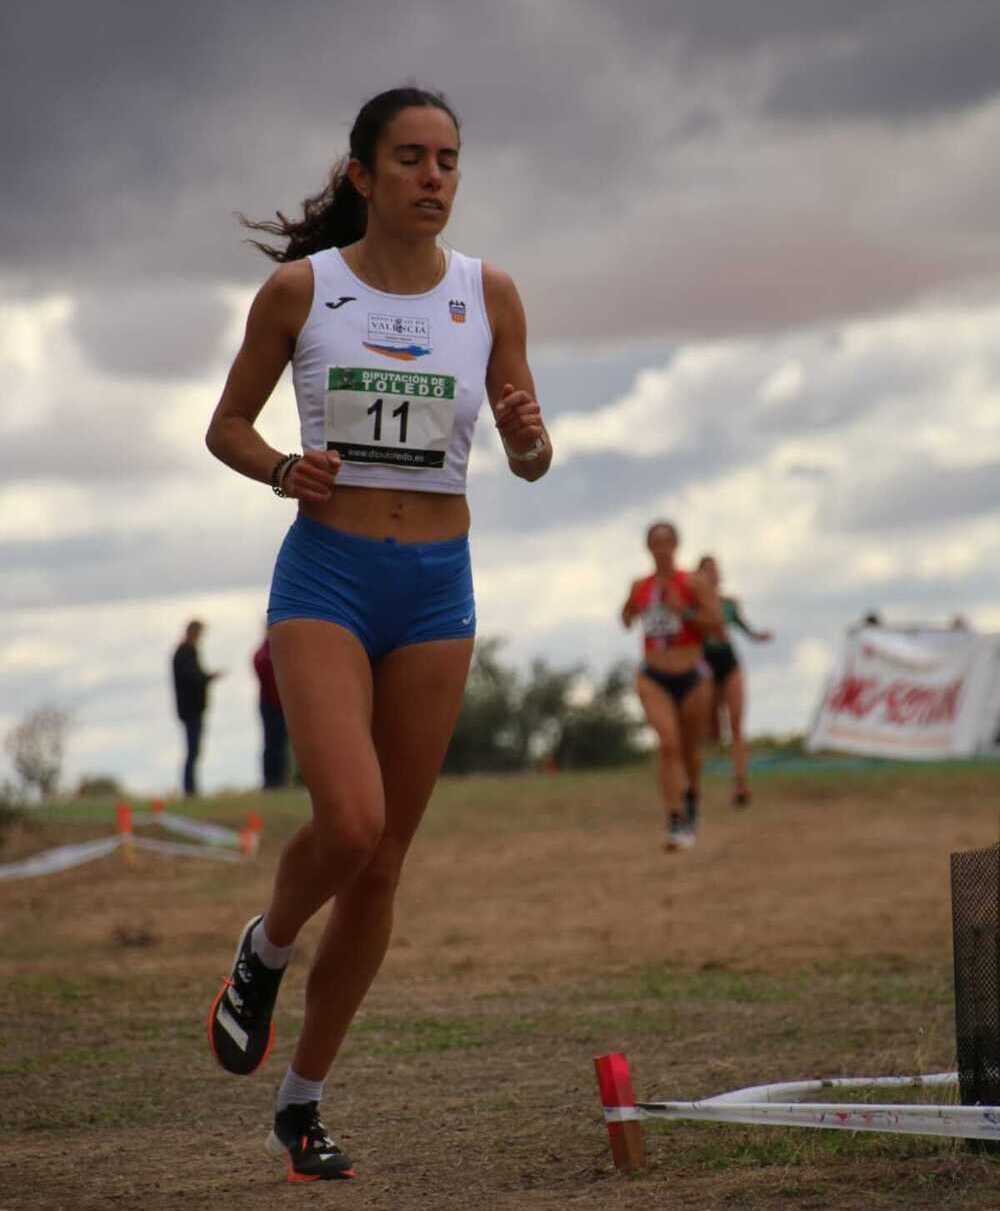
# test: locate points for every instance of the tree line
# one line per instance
(549, 717)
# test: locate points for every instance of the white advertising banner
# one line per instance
(921, 695)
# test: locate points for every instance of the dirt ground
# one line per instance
(539, 925)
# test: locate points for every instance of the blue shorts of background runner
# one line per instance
(388, 594)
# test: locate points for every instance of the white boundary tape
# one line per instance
(791, 1091)
(219, 843)
(211, 834)
(65, 857)
(778, 1105)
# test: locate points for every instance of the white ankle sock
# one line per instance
(296, 1089)
(270, 955)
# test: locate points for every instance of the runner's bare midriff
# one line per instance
(674, 660)
(391, 513)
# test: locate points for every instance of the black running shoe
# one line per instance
(678, 834)
(691, 809)
(301, 1139)
(240, 1030)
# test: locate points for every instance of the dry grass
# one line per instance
(539, 925)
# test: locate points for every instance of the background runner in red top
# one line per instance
(675, 609)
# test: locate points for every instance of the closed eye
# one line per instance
(411, 154)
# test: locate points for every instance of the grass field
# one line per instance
(539, 925)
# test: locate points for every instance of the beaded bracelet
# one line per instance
(281, 469)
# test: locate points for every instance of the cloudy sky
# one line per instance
(759, 246)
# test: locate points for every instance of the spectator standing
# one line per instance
(191, 693)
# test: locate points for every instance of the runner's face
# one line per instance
(710, 570)
(662, 543)
(416, 171)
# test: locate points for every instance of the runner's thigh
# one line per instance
(695, 710)
(661, 714)
(735, 696)
(325, 684)
(418, 695)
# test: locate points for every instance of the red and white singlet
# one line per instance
(662, 624)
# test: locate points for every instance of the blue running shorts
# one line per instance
(386, 593)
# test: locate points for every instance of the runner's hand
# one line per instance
(313, 476)
(518, 418)
(674, 600)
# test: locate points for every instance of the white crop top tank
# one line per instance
(394, 382)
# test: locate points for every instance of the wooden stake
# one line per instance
(250, 835)
(627, 1148)
(124, 817)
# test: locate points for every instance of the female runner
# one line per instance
(392, 340)
(675, 608)
(728, 683)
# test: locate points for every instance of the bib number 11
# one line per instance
(395, 418)
(402, 412)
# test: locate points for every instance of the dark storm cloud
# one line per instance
(892, 60)
(144, 564)
(147, 126)
(87, 443)
(924, 495)
(906, 61)
(587, 380)
(590, 488)
(724, 29)
(841, 392)
(158, 332)
(133, 131)
(718, 273)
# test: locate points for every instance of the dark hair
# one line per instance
(704, 560)
(663, 525)
(338, 215)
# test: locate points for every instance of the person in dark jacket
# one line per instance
(191, 692)
(272, 718)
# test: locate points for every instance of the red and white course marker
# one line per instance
(784, 1105)
(625, 1135)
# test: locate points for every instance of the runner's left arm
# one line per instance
(746, 628)
(509, 384)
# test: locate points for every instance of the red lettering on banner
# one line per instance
(905, 703)
(851, 696)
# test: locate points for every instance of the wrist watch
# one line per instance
(526, 456)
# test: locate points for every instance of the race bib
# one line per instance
(660, 622)
(400, 419)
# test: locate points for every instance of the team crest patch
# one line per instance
(403, 337)
(457, 309)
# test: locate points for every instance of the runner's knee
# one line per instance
(670, 747)
(381, 876)
(344, 829)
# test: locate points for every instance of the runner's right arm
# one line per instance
(629, 612)
(276, 317)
